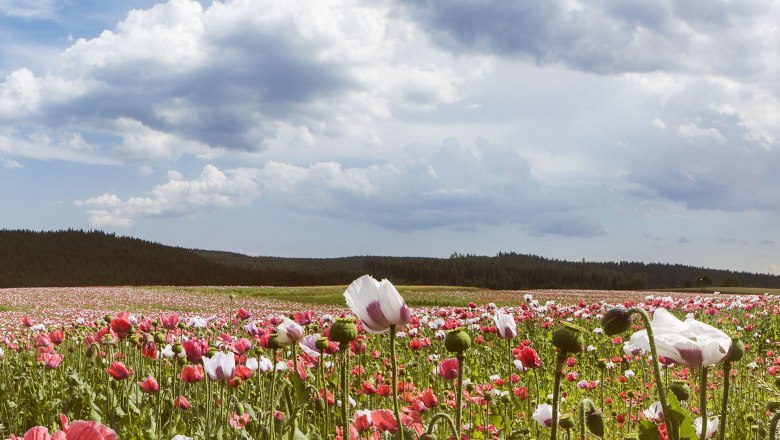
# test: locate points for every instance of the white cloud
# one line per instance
(696, 135)
(36, 9)
(213, 189)
(179, 79)
(10, 164)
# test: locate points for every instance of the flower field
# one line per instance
(168, 363)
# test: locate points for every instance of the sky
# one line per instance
(606, 130)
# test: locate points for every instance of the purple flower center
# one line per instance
(379, 321)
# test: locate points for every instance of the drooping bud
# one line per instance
(569, 339)
(457, 341)
(681, 390)
(617, 320)
(273, 342)
(594, 420)
(343, 331)
(566, 422)
(736, 352)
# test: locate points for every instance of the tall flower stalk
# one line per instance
(381, 309)
(458, 341)
(568, 340)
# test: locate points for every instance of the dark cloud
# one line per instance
(607, 36)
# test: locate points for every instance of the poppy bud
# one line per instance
(427, 436)
(319, 404)
(457, 341)
(602, 364)
(566, 422)
(736, 352)
(343, 331)
(594, 420)
(505, 399)
(488, 397)
(239, 408)
(568, 339)
(617, 320)
(108, 318)
(681, 390)
(273, 342)
(181, 325)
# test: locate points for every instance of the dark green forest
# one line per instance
(94, 258)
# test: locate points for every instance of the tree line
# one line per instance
(94, 258)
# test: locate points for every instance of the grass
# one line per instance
(334, 295)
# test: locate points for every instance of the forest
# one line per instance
(94, 258)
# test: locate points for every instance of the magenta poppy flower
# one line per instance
(448, 369)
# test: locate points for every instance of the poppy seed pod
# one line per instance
(321, 344)
(594, 420)
(617, 320)
(737, 351)
(681, 390)
(457, 341)
(343, 331)
(568, 339)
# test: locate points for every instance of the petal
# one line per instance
(391, 302)
(664, 322)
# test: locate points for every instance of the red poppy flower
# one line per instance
(191, 373)
(149, 385)
(448, 369)
(119, 371)
(182, 403)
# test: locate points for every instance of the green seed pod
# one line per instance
(488, 397)
(457, 341)
(505, 399)
(681, 390)
(617, 320)
(343, 331)
(134, 339)
(594, 420)
(273, 342)
(566, 422)
(321, 344)
(181, 325)
(736, 352)
(108, 318)
(750, 418)
(568, 339)
(159, 338)
(177, 348)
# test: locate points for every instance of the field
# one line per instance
(140, 362)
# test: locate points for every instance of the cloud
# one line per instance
(608, 37)
(10, 164)
(450, 184)
(29, 9)
(180, 78)
(213, 189)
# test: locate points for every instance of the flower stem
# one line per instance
(394, 383)
(459, 395)
(583, 405)
(447, 418)
(559, 362)
(725, 402)
(773, 425)
(656, 370)
(703, 402)
(344, 394)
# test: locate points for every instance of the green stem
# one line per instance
(344, 393)
(725, 402)
(673, 435)
(459, 395)
(394, 383)
(773, 425)
(703, 402)
(559, 361)
(447, 418)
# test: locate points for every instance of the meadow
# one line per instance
(276, 363)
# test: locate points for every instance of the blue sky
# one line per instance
(606, 130)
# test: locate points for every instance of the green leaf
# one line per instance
(648, 431)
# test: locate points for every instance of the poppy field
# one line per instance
(168, 363)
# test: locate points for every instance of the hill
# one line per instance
(94, 258)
